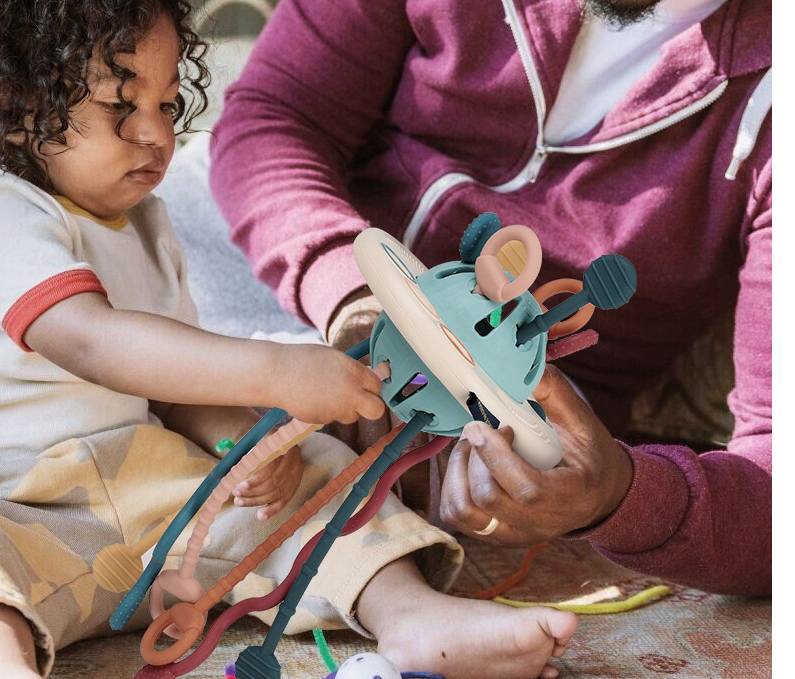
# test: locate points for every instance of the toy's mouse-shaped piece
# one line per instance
(465, 337)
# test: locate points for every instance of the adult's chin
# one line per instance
(620, 13)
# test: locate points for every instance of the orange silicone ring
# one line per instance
(567, 325)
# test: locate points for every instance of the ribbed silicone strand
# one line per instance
(332, 532)
(277, 538)
(271, 447)
(135, 596)
(571, 344)
(262, 552)
(264, 603)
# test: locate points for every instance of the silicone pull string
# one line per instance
(608, 283)
(270, 448)
(124, 611)
(264, 603)
(181, 583)
(193, 613)
(259, 662)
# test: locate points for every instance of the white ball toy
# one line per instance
(367, 666)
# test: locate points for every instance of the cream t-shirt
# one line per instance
(50, 249)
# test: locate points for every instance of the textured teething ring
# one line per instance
(569, 325)
(189, 618)
(492, 281)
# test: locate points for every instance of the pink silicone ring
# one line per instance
(492, 280)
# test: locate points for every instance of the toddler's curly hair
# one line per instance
(45, 49)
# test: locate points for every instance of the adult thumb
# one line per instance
(560, 402)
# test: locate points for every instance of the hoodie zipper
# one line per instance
(530, 172)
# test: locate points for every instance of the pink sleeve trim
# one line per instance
(46, 294)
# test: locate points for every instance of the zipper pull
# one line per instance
(534, 166)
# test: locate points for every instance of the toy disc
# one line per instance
(391, 271)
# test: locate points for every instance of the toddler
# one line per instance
(112, 397)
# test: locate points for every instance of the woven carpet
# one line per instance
(689, 634)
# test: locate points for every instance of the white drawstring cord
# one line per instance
(756, 111)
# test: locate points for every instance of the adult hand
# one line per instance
(485, 478)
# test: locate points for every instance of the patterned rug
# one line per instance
(688, 635)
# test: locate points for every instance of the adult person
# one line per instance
(608, 127)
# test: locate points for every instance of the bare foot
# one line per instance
(423, 630)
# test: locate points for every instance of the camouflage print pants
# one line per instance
(59, 508)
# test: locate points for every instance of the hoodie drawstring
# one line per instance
(756, 111)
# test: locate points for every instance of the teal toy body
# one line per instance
(467, 339)
(470, 318)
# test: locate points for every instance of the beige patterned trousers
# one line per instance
(60, 508)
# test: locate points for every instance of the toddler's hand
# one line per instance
(324, 385)
(272, 486)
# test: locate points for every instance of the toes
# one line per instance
(562, 625)
(558, 650)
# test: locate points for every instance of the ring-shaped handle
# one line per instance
(183, 616)
(568, 325)
(491, 278)
(185, 589)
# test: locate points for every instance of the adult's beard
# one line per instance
(619, 13)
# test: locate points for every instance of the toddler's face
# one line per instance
(100, 171)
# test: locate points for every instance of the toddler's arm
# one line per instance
(162, 359)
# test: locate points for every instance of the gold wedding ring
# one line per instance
(488, 530)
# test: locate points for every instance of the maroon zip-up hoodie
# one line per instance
(417, 115)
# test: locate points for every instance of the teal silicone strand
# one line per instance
(124, 611)
(259, 662)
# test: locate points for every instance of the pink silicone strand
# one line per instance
(271, 444)
(571, 344)
(241, 470)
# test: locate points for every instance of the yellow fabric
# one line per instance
(115, 223)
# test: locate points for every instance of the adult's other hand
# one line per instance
(486, 479)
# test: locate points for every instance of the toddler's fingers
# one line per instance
(549, 672)
(371, 382)
(371, 406)
(266, 487)
(261, 482)
(259, 498)
(268, 511)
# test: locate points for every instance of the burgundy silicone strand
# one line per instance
(271, 599)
